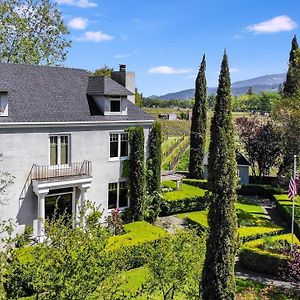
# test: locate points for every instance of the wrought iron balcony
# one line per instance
(62, 172)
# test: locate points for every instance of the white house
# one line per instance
(62, 137)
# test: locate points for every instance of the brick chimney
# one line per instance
(127, 79)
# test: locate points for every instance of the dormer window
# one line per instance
(3, 104)
(115, 104)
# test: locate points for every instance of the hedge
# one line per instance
(198, 220)
(264, 261)
(284, 205)
(249, 190)
(189, 198)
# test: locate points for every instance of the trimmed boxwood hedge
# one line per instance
(189, 198)
(264, 261)
(284, 205)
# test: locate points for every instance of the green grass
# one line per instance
(136, 233)
(287, 205)
(187, 191)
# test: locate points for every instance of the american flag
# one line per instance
(293, 186)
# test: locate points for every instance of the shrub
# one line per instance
(199, 183)
(189, 198)
(257, 189)
(255, 258)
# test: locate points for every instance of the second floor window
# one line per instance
(59, 150)
(118, 145)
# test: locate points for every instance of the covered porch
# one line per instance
(59, 189)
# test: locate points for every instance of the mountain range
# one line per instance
(258, 84)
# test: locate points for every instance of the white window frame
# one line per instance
(59, 149)
(118, 196)
(3, 99)
(119, 157)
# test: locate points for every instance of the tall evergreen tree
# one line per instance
(292, 83)
(198, 126)
(218, 280)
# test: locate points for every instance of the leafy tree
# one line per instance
(154, 168)
(104, 71)
(292, 83)
(32, 32)
(137, 172)
(138, 98)
(70, 264)
(262, 140)
(218, 274)
(198, 126)
(175, 266)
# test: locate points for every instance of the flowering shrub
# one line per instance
(115, 222)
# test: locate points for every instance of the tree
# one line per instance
(250, 91)
(138, 98)
(175, 265)
(263, 142)
(218, 274)
(72, 263)
(104, 71)
(154, 168)
(137, 172)
(292, 83)
(198, 126)
(32, 32)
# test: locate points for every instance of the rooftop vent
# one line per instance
(122, 68)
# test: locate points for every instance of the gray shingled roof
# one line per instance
(53, 94)
(103, 85)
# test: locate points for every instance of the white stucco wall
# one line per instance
(22, 148)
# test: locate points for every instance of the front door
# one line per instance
(59, 202)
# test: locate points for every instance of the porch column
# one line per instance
(82, 202)
(41, 217)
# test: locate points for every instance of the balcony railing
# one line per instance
(60, 172)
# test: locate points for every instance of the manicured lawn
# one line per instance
(136, 233)
(287, 205)
(187, 191)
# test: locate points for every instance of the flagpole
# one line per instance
(293, 210)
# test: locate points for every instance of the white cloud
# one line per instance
(234, 70)
(280, 23)
(78, 3)
(168, 70)
(78, 23)
(95, 36)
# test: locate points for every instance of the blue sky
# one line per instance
(163, 40)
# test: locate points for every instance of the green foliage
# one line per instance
(135, 233)
(255, 256)
(154, 168)
(139, 99)
(167, 103)
(136, 171)
(200, 183)
(261, 102)
(183, 164)
(175, 266)
(218, 273)
(198, 125)
(262, 140)
(189, 198)
(70, 264)
(285, 206)
(104, 71)
(32, 32)
(292, 83)
(258, 189)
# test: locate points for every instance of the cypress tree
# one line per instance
(218, 279)
(136, 171)
(154, 170)
(198, 126)
(291, 84)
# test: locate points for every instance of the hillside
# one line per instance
(258, 84)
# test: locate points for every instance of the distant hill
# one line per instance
(258, 84)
